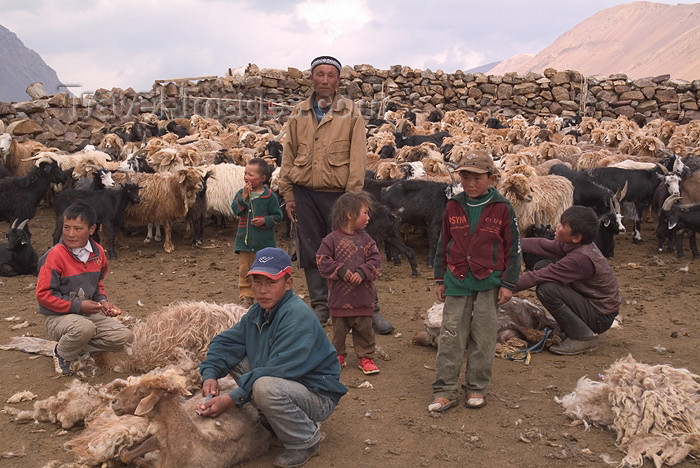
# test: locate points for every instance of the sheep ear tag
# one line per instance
(147, 404)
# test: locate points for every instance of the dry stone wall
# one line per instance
(266, 96)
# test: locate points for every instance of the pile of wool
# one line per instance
(177, 331)
(654, 410)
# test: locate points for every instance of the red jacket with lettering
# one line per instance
(64, 280)
(493, 246)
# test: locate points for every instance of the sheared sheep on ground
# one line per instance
(654, 410)
(185, 439)
(520, 322)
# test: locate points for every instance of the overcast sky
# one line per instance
(131, 43)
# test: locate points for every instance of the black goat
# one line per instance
(18, 257)
(274, 149)
(411, 116)
(640, 186)
(101, 179)
(383, 227)
(387, 152)
(136, 163)
(177, 129)
(108, 204)
(495, 123)
(374, 187)
(604, 202)
(536, 230)
(415, 140)
(196, 212)
(674, 218)
(435, 116)
(608, 228)
(19, 196)
(420, 203)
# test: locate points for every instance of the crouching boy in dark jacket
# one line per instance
(281, 359)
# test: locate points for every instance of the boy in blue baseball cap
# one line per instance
(281, 359)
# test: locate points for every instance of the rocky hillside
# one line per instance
(20, 67)
(640, 39)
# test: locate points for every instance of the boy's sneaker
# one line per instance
(367, 366)
(61, 366)
(341, 360)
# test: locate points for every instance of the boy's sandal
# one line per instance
(441, 404)
(475, 400)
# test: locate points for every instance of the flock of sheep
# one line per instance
(186, 169)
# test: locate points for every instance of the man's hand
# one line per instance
(291, 208)
(440, 290)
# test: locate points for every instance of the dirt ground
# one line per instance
(388, 425)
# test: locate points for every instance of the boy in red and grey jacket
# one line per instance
(71, 296)
(477, 265)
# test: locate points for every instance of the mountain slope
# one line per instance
(20, 67)
(640, 39)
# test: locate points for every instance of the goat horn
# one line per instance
(14, 225)
(279, 136)
(670, 201)
(22, 224)
(33, 158)
(537, 218)
(623, 192)
(663, 168)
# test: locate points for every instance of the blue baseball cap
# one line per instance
(271, 262)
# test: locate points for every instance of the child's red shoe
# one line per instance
(341, 360)
(367, 366)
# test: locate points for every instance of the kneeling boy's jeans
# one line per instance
(292, 410)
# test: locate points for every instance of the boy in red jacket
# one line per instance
(476, 266)
(71, 297)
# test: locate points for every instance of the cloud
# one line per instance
(131, 43)
(330, 19)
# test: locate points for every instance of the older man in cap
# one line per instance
(324, 156)
(281, 359)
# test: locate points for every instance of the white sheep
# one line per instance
(66, 161)
(530, 194)
(223, 184)
(185, 439)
